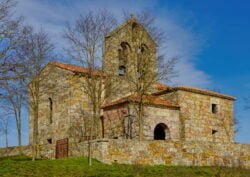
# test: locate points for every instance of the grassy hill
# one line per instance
(22, 166)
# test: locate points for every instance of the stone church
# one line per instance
(171, 113)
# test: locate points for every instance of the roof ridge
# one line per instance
(149, 99)
(76, 68)
(189, 88)
(57, 63)
(194, 90)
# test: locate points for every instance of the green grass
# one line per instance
(77, 167)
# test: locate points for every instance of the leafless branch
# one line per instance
(9, 33)
(14, 99)
(149, 67)
(85, 40)
(35, 49)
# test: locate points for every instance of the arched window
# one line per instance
(50, 110)
(161, 132)
(123, 54)
(124, 51)
(143, 62)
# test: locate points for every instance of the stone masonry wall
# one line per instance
(197, 118)
(158, 152)
(134, 36)
(45, 151)
(57, 90)
(70, 109)
(12, 151)
(115, 121)
(170, 153)
(155, 115)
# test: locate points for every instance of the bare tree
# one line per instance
(35, 49)
(23, 53)
(4, 122)
(14, 100)
(148, 67)
(11, 64)
(86, 41)
(9, 34)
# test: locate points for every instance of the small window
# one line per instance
(214, 132)
(50, 110)
(49, 141)
(214, 108)
(122, 70)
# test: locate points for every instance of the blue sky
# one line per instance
(211, 37)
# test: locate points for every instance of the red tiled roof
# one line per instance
(75, 68)
(162, 88)
(159, 86)
(195, 90)
(147, 99)
(202, 91)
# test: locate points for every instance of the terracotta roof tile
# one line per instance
(148, 99)
(194, 90)
(75, 68)
(162, 88)
(159, 86)
(203, 91)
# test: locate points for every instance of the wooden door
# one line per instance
(62, 148)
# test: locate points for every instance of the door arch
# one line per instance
(161, 132)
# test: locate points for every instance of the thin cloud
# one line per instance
(183, 41)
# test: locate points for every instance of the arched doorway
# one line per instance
(161, 132)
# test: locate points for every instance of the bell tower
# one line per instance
(125, 49)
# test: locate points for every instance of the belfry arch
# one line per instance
(123, 55)
(161, 132)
